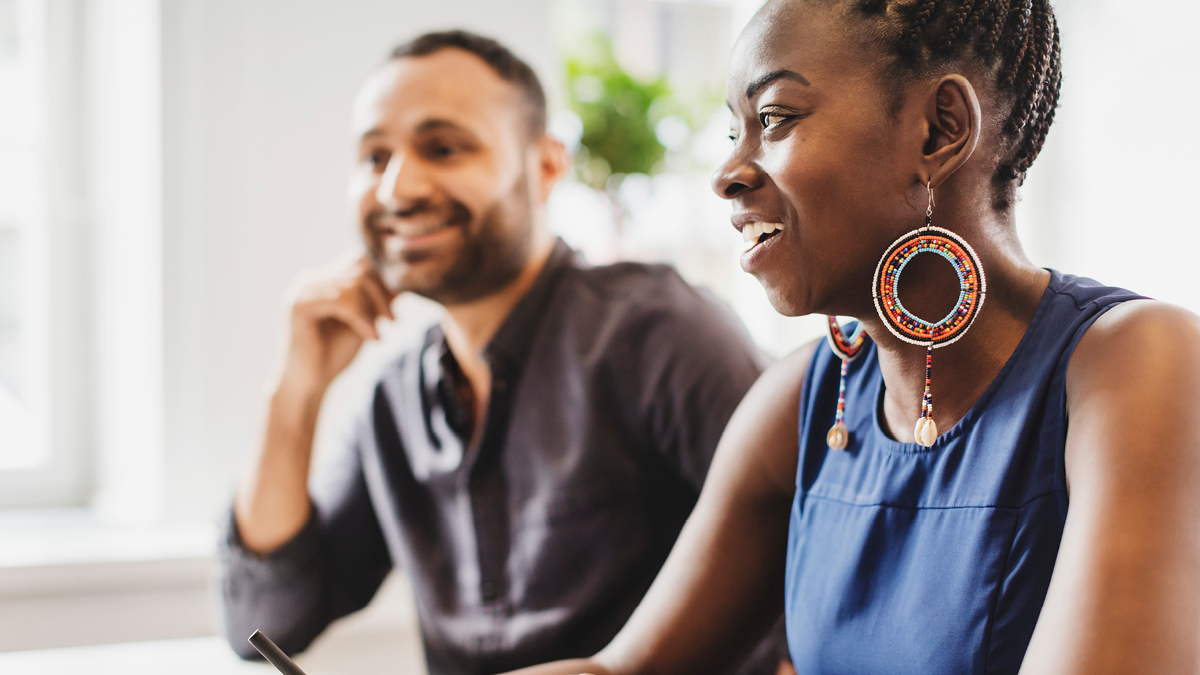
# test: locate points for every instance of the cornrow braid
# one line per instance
(1020, 15)
(995, 19)
(959, 23)
(1015, 40)
(1034, 75)
(914, 34)
(1045, 110)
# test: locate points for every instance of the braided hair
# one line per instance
(1017, 40)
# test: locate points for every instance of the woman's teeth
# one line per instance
(752, 233)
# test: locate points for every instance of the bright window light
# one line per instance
(24, 371)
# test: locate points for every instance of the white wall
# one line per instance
(256, 104)
(1111, 196)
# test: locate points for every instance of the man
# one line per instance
(559, 414)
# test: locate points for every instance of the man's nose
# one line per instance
(403, 182)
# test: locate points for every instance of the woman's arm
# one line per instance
(1125, 595)
(722, 586)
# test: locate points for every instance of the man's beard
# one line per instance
(495, 249)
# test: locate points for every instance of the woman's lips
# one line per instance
(753, 232)
(760, 247)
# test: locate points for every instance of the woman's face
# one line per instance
(818, 154)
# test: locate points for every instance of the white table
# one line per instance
(345, 654)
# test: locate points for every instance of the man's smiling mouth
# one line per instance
(411, 230)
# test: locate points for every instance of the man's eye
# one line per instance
(441, 151)
(378, 160)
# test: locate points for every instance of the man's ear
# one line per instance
(552, 165)
(953, 118)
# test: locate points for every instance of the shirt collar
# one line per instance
(509, 348)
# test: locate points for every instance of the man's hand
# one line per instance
(332, 313)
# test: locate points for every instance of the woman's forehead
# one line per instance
(801, 37)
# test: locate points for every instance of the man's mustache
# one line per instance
(453, 213)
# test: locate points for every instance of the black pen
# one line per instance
(274, 654)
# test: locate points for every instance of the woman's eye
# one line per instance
(770, 119)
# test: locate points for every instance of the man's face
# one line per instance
(442, 180)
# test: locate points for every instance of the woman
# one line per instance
(1011, 540)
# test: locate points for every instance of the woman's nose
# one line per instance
(735, 175)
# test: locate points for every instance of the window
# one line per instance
(44, 278)
(24, 330)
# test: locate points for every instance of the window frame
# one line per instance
(53, 314)
(102, 208)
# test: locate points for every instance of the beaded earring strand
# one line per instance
(885, 289)
(847, 349)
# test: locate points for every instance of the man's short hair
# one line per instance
(505, 64)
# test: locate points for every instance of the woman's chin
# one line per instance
(785, 297)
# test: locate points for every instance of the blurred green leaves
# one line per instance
(622, 117)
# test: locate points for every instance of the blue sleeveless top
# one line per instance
(905, 559)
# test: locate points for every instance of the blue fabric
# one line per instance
(905, 559)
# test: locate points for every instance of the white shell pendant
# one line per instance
(838, 437)
(926, 431)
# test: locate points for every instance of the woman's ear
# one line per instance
(953, 118)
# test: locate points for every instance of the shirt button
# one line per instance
(489, 591)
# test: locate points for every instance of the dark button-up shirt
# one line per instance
(610, 388)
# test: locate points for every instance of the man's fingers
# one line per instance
(372, 290)
(354, 295)
(355, 320)
(372, 286)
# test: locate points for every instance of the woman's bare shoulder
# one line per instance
(1136, 343)
(1133, 386)
(764, 429)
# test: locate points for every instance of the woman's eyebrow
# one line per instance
(783, 73)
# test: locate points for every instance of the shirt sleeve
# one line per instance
(769, 653)
(332, 567)
(697, 362)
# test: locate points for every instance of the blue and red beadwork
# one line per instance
(886, 287)
(847, 348)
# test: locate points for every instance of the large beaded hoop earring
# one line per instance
(847, 348)
(885, 289)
